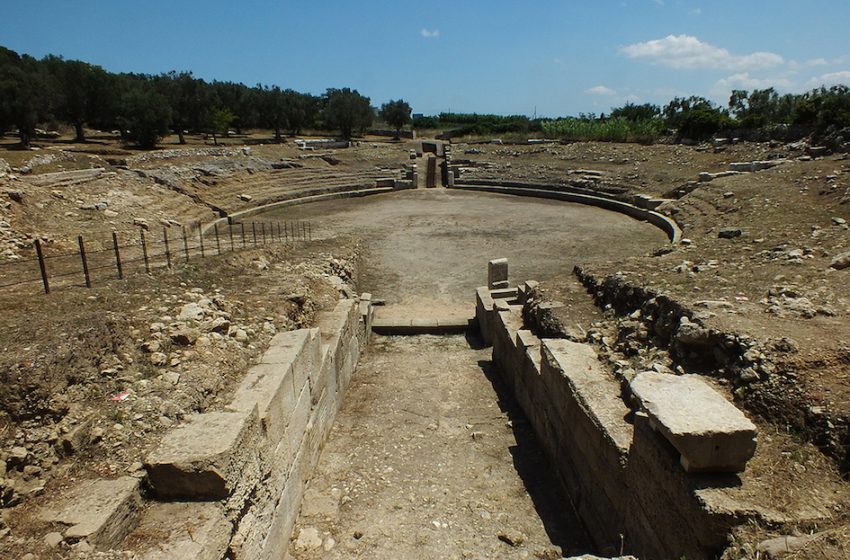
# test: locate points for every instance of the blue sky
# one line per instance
(562, 57)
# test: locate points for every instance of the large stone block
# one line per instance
(286, 511)
(484, 313)
(709, 432)
(574, 371)
(194, 530)
(211, 457)
(497, 274)
(270, 388)
(102, 512)
(338, 330)
(300, 349)
(253, 530)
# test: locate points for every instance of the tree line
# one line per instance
(144, 108)
(761, 114)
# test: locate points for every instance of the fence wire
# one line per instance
(103, 256)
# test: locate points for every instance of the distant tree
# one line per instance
(757, 109)
(273, 109)
(695, 117)
(347, 110)
(396, 114)
(80, 91)
(636, 113)
(242, 101)
(824, 108)
(23, 94)
(144, 115)
(299, 108)
(189, 99)
(220, 121)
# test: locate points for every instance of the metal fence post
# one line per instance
(41, 266)
(167, 250)
(117, 255)
(145, 251)
(85, 262)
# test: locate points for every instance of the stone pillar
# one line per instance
(497, 274)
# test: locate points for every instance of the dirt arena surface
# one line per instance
(433, 245)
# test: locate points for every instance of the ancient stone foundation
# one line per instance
(230, 482)
(623, 456)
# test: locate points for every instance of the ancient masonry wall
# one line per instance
(641, 207)
(229, 483)
(623, 478)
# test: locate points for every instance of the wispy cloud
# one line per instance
(688, 52)
(696, 12)
(830, 79)
(430, 33)
(743, 80)
(601, 90)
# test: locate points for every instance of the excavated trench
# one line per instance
(430, 455)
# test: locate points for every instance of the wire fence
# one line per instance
(109, 255)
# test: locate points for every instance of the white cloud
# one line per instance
(696, 12)
(743, 80)
(841, 77)
(688, 52)
(430, 33)
(600, 90)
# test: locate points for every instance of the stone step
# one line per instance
(401, 325)
(209, 458)
(194, 530)
(101, 512)
(708, 431)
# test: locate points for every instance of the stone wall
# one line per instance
(639, 207)
(622, 477)
(229, 483)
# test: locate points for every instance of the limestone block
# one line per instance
(301, 349)
(483, 313)
(295, 430)
(709, 432)
(337, 327)
(286, 511)
(503, 293)
(102, 512)
(497, 273)
(208, 458)
(253, 529)
(270, 388)
(572, 372)
(194, 530)
(501, 305)
(526, 339)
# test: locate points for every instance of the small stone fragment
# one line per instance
(512, 538)
(53, 539)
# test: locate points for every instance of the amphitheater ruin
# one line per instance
(459, 398)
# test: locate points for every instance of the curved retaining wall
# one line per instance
(557, 192)
(306, 197)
